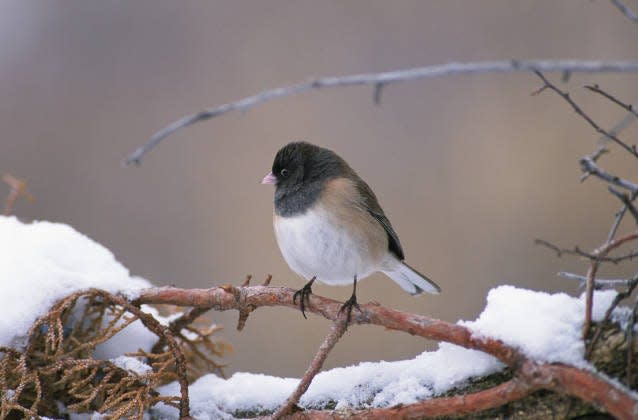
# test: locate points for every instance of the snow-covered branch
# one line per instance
(530, 375)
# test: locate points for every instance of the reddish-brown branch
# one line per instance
(230, 297)
(532, 377)
(529, 375)
(497, 396)
(336, 332)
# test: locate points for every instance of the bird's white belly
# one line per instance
(314, 245)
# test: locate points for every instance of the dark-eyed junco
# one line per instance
(330, 226)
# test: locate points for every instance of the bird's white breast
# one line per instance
(317, 244)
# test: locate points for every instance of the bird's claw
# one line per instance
(348, 305)
(304, 295)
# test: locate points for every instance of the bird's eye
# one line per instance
(284, 172)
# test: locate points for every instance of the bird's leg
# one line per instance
(348, 304)
(304, 293)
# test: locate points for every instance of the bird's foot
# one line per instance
(304, 294)
(348, 305)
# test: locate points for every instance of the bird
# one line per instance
(330, 226)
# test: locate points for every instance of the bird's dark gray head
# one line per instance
(299, 173)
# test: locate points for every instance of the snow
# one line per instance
(43, 262)
(546, 327)
(377, 384)
(132, 364)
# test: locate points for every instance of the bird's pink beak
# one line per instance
(269, 179)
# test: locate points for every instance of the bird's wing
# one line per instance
(372, 205)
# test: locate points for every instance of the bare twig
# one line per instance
(627, 201)
(549, 85)
(625, 10)
(622, 124)
(630, 339)
(336, 331)
(576, 251)
(598, 90)
(600, 283)
(18, 189)
(588, 166)
(178, 324)
(267, 280)
(384, 79)
(618, 218)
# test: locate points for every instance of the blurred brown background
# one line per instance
(469, 169)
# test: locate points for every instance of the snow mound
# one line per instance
(42, 262)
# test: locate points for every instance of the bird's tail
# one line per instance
(411, 280)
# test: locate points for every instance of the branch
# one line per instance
(600, 283)
(18, 189)
(627, 201)
(576, 251)
(529, 375)
(588, 166)
(380, 80)
(336, 332)
(549, 85)
(625, 10)
(598, 90)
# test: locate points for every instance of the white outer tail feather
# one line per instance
(411, 280)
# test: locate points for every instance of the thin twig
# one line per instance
(336, 332)
(599, 283)
(618, 218)
(576, 251)
(549, 85)
(625, 10)
(598, 90)
(627, 201)
(383, 79)
(178, 324)
(621, 125)
(588, 166)
(18, 189)
(630, 340)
